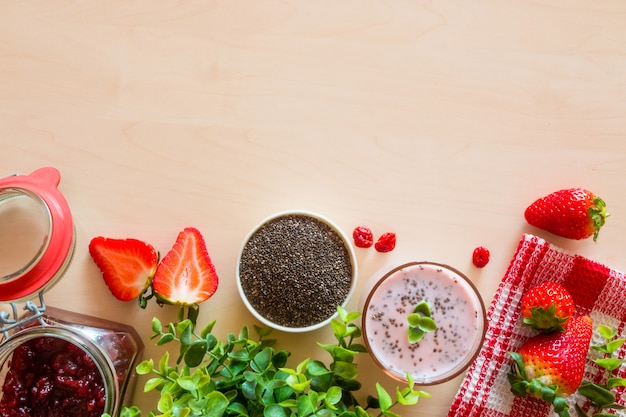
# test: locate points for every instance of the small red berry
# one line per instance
(386, 242)
(480, 257)
(363, 237)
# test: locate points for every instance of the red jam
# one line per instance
(50, 377)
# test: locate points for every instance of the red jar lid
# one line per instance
(50, 259)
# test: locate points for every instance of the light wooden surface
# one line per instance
(438, 120)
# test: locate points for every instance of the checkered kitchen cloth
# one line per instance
(597, 290)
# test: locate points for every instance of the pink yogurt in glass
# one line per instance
(456, 307)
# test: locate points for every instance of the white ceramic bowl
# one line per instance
(293, 270)
(456, 306)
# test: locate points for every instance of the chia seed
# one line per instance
(295, 270)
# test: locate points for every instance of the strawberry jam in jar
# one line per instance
(53, 362)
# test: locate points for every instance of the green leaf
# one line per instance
(207, 329)
(384, 398)
(305, 407)
(599, 395)
(351, 316)
(157, 328)
(609, 364)
(317, 368)
(614, 345)
(192, 313)
(164, 363)
(237, 409)
(518, 367)
(248, 389)
(360, 412)
(216, 404)
(352, 331)
(186, 383)
(186, 334)
(128, 412)
(345, 370)
(333, 395)
(153, 384)
(145, 367)
(243, 333)
(339, 328)
(410, 382)
(165, 403)
(357, 347)
(195, 353)
(414, 319)
(279, 359)
(579, 411)
(262, 360)
(275, 410)
(616, 382)
(262, 331)
(415, 334)
(240, 355)
(607, 332)
(422, 308)
(342, 354)
(427, 324)
(325, 412)
(165, 338)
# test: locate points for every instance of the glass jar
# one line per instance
(52, 360)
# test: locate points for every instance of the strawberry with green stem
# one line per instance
(547, 307)
(573, 213)
(550, 366)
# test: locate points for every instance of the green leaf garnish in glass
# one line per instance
(420, 322)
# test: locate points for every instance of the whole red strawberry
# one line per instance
(547, 306)
(550, 366)
(185, 275)
(574, 213)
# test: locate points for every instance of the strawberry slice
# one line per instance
(186, 274)
(127, 265)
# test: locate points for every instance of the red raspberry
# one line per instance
(386, 242)
(480, 257)
(363, 237)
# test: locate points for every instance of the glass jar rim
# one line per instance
(102, 362)
(55, 254)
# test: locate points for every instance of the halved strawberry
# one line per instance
(127, 265)
(186, 275)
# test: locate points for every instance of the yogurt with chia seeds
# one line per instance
(456, 307)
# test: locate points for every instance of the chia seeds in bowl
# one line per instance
(294, 269)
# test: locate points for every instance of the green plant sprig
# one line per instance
(244, 376)
(601, 395)
(420, 322)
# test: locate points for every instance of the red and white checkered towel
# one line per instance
(597, 290)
